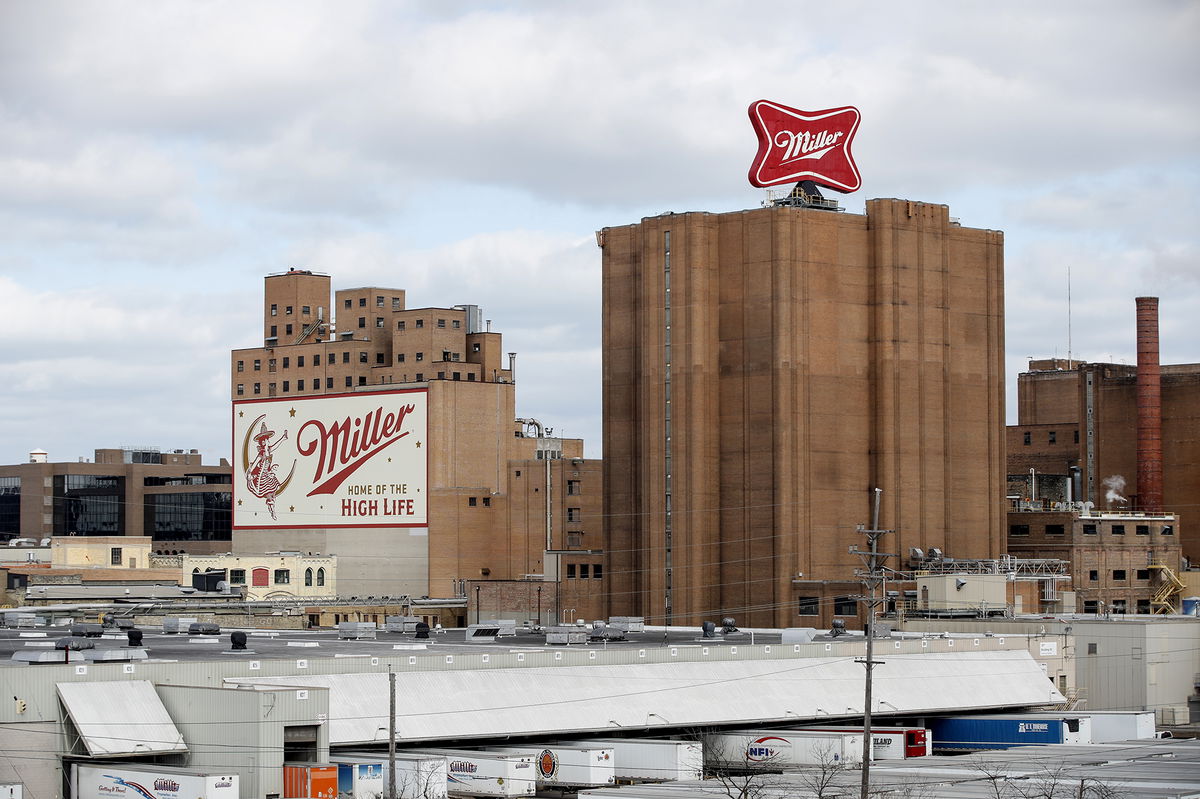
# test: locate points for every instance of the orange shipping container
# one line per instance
(310, 782)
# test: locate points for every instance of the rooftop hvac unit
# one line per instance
(356, 630)
(485, 633)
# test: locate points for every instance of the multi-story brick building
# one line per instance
(504, 499)
(171, 496)
(764, 371)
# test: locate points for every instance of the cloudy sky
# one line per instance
(158, 159)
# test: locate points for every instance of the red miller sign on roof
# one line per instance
(796, 145)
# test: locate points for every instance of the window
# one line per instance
(574, 539)
(288, 310)
(308, 577)
(241, 367)
(362, 356)
(420, 323)
(470, 377)
(475, 347)
(349, 303)
(471, 501)
(286, 385)
(583, 570)
(446, 355)
(362, 321)
(1055, 529)
(1053, 437)
(1167, 530)
(400, 325)
(282, 577)
(1091, 606)
(349, 381)
(570, 573)
(808, 606)
(274, 310)
(457, 324)
(1142, 574)
(1093, 648)
(573, 488)
(379, 356)
(845, 606)
(487, 502)
(395, 303)
(306, 310)
(346, 356)
(362, 380)
(260, 577)
(420, 377)
(329, 382)
(299, 385)
(441, 323)
(1143, 606)
(258, 388)
(317, 360)
(597, 571)
(1018, 529)
(362, 302)
(288, 330)
(274, 331)
(257, 365)
(321, 576)
(400, 358)
(441, 375)
(287, 362)
(574, 514)
(518, 472)
(379, 302)
(270, 389)
(1094, 575)
(1118, 529)
(1089, 529)
(1119, 606)
(237, 576)
(457, 375)
(1118, 574)
(420, 356)
(379, 321)
(299, 361)
(1076, 436)
(114, 556)
(1142, 529)
(1028, 438)
(272, 365)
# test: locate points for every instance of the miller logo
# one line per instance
(547, 763)
(796, 145)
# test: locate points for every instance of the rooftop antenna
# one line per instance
(1070, 365)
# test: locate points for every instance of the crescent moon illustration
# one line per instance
(246, 454)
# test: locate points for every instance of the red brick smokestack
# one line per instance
(1149, 408)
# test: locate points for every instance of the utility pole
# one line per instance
(872, 578)
(391, 735)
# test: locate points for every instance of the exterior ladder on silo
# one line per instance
(1166, 595)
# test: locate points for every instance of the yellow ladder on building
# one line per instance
(1166, 595)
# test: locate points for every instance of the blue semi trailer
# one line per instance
(1002, 732)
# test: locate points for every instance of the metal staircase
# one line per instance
(1165, 599)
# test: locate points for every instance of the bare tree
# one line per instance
(739, 776)
(822, 778)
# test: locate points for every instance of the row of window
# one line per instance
(842, 606)
(261, 577)
(379, 302)
(305, 310)
(1090, 528)
(474, 501)
(1120, 575)
(301, 384)
(1116, 606)
(584, 571)
(363, 357)
(1051, 437)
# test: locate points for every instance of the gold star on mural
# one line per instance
(291, 509)
(292, 412)
(241, 414)
(239, 502)
(418, 445)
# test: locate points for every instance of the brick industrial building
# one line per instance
(169, 496)
(764, 371)
(506, 500)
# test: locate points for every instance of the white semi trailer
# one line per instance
(655, 760)
(417, 776)
(774, 748)
(114, 781)
(471, 772)
(568, 765)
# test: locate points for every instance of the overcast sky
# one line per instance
(158, 159)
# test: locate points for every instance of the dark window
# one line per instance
(470, 377)
(400, 325)
(597, 571)
(362, 380)
(457, 324)
(257, 365)
(400, 358)
(420, 323)
(287, 362)
(441, 323)
(274, 310)
(287, 385)
(457, 375)
(299, 361)
(282, 577)
(362, 357)
(362, 302)
(379, 302)
(583, 570)
(1091, 606)
(1118, 529)
(274, 331)
(198, 516)
(1118, 574)
(441, 375)
(395, 303)
(348, 303)
(308, 579)
(1119, 606)
(475, 347)
(258, 388)
(573, 488)
(320, 576)
(362, 321)
(1143, 606)
(808, 606)
(1076, 436)
(570, 574)
(329, 382)
(518, 472)
(1018, 529)
(114, 556)
(241, 389)
(1167, 530)
(1055, 529)
(1028, 438)
(1089, 529)
(1093, 648)
(349, 381)
(1053, 437)
(241, 367)
(378, 321)
(237, 576)
(845, 606)
(420, 377)
(471, 502)
(317, 359)
(379, 356)
(287, 330)
(1142, 529)
(288, 310)
(299, 385)
(1143, 574)
(1094, 575)
(574, 514)
(420, 356)
(346, 356)
(306, 310)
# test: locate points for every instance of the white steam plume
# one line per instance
(1115, 485)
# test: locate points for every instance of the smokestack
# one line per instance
(1149, 408)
